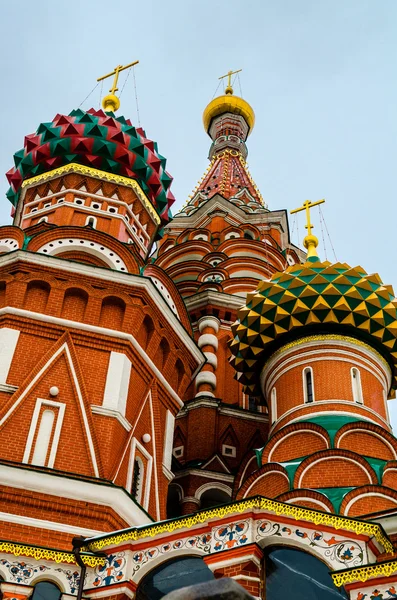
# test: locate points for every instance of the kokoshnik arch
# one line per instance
(212, 406)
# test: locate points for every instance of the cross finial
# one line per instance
(229, 89)
(310, 241)
(111, 103)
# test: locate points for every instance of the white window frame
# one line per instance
(225, 451)
(146, 480)
(357, 389)
(55, 433)
(178, 451)
(305, 395)
(87, 221)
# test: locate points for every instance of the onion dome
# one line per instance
(228, 104)
(314, 297)
(99, 140)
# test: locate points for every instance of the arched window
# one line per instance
(91, 221)
(43, 220)
(356, 386)
(137, 480)
(214, 497)
(308, 388)
(248, 235)
(273, 405)
(46, 590)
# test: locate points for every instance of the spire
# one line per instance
(310, 241)
(228, 120)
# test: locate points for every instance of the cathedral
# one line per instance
(185, 397)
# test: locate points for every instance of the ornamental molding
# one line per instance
(256, 503)
(384, 569)
(127, 279)
(96, 174)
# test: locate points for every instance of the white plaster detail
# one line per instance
(229, 450)
(143, 494)
(168, 439)
(46, 431)
(109, 412)
(165, 293)
(8, 245)
(75, 489)
(213, 485)
(146, 438)
(212, 359)
(208, 339)
(51, 525)
(111, 258)
(54, 391)
(207, 377)
(204, 394)
(8, 342)
(209, 321)
(117, 382)
(64, 348)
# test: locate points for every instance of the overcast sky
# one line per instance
(320, 75)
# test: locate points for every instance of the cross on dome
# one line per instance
(310, 241)
(111, 102)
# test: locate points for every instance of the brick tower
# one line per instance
(133, 462)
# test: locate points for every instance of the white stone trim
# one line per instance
(214, 485)
(32, 383)
(127, 279)
(204, 394)
(369, 432)
(242, 478)
(366, 495)
(9, 389)
(209, 321)
(341, 403)
(111, 258)
(208, 339)
(212, 359)
(121, 335)
(147, 472)
(296, 353)
(8, 343)
(212, 475)
(168, 439)
(51, 525)
(108, 412)
(332, 457)
(299, 431)
(104, 593)
(74, 489)
(117, 382)
(207, 377)
(262, 477)
(60, 413)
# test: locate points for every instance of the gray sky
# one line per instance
(320, 75)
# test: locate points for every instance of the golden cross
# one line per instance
(307, 205)
(229, 89)
(116, 73)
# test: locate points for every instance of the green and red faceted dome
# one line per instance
(312, 298)
(99, 140)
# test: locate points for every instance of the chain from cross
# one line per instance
(116, 73)
(307, 205)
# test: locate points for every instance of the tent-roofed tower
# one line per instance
(216, 250)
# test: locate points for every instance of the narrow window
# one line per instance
(273, 405)
(91, 221)
(356, 386)
(308, 385)
(137, 479)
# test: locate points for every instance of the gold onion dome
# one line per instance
(228, 104)
(314, 297)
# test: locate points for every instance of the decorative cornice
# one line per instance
(255, 503)
(57, 556)
(384, 569)
(97, 174)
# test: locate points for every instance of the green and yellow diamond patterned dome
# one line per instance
(310, 298)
